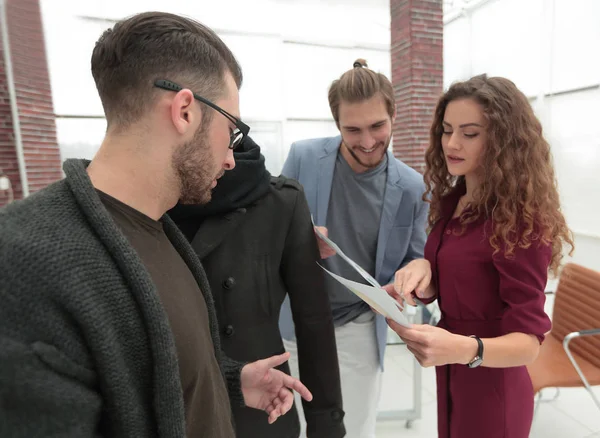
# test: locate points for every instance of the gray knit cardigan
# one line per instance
(85, 346)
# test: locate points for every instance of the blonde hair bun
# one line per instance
(360, 63)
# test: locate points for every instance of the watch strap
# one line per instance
(476, 361)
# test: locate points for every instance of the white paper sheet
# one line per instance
(351, 262)
(408, 310)
(375, 297)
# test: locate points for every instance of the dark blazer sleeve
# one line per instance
(311, 311)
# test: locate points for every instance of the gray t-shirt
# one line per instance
(353, 219)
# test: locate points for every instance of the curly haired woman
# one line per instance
(496, 231)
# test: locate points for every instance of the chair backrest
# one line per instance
(577, 307)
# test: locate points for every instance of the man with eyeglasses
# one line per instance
(107, 321)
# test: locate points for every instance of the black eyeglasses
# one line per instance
(236, 136)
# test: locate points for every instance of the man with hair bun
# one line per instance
(371, 205)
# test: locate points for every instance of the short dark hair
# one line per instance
(137, 51)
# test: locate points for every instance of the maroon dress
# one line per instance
(489, 296)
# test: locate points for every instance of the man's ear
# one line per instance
(184, 111)
(394, 115)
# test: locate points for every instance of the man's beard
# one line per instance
(381, 150)
(193, 162)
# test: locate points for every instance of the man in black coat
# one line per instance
(256, 242)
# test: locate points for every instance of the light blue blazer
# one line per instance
(402, 231)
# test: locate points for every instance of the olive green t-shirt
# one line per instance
(206, 402)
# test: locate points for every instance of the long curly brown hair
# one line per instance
(518, 187)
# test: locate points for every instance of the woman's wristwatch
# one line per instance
(478, 359)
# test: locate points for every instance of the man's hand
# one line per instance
(270, 390)
(324, 250)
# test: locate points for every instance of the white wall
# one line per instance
(289, 51)
(546, 47)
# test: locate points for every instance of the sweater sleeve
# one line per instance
(232, 370)
(43, 393)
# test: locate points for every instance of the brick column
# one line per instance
(417, 74)
(34, 101)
